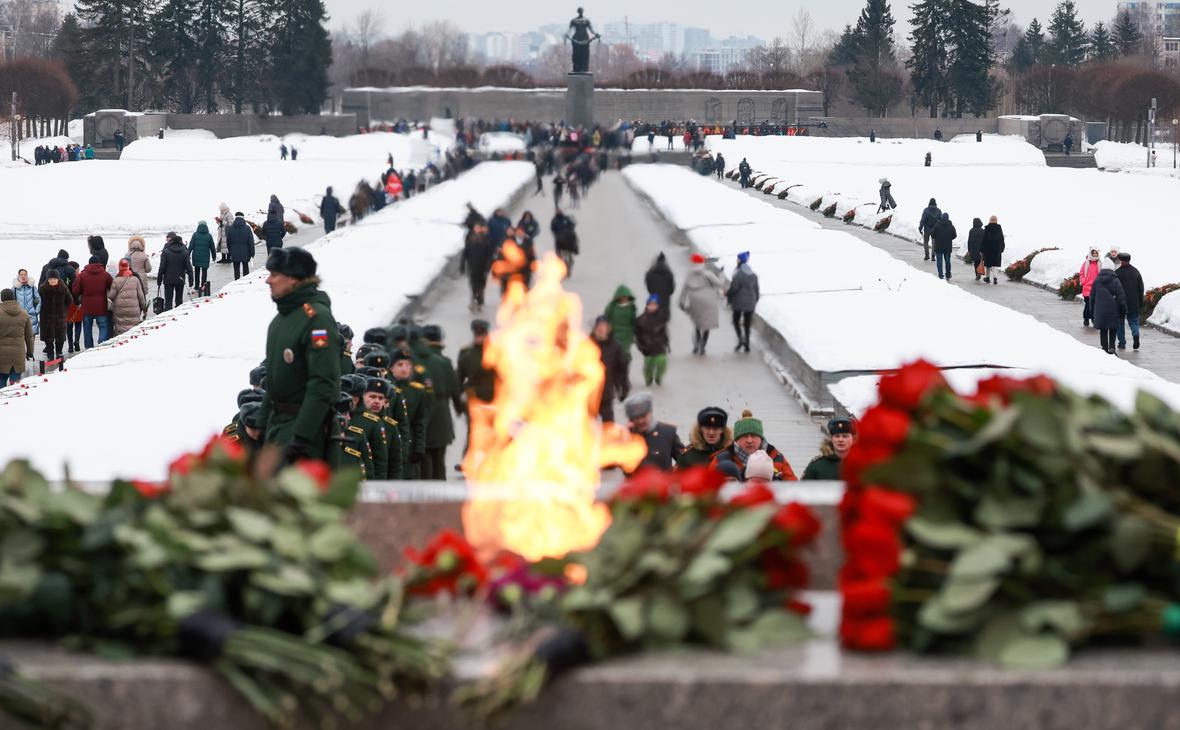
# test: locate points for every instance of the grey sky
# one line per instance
(761, 18)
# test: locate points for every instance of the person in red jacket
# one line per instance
(91, 289)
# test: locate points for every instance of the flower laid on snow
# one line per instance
(1018, 269)
(1152, 298)
(448, 564)
(1070, 288)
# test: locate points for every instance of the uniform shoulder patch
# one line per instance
(353, 452)
(230, 429)
(233, 439)
(319, 338)
(371, 416)
(419, 369)
(390, 421)
(356, 429)
(308, 310)
(416, 384)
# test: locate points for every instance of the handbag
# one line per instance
(980, 268)
(158, 302)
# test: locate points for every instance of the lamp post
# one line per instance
(1174, 123)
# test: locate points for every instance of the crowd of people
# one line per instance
(47, 154)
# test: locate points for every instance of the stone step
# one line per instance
(1078, 161)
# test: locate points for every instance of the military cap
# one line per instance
(344, 403)
(250, 414)
(353, 384)
(712, 417)
(376, 336)
(257, 375)
(480, 327)
(248, 395)
(296, 263)
(346, 332)
(377, 385)
(377, 360)
(369, 372)
(432, 333)
(399, 355)
(841, 425)
(398, 333)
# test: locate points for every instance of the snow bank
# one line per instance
(1038, 206)
(1132, 157)
(127, 408)
(845, 306)
(201, 145)
(501, 143)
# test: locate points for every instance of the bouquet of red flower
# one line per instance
(1013, 524)
(676, 566)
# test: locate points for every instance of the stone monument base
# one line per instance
(579, 100)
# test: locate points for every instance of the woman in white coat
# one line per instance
(699, 297)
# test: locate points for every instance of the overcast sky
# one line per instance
(763, 18)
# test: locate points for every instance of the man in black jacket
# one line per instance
(943, 235)
(175, 268)
(617, 381)
(476, 262)
(330, 210)
(930, 218)
(240, 244)
(1132, 283)
(663, 443)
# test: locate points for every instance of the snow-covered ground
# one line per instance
(501, 143)
(1129, 157)
(172, 184)
(128, 408)
(640, 146)
(1039, 207)
(846, 306)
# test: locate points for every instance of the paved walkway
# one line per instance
(1160, 352)
(620, 237)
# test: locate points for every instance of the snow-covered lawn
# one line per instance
(128, 408)
(1039, 207)
(172, 184)
(846, 306)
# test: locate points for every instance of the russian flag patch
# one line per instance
(319, 338)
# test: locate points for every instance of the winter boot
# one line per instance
(1135, 344)
(704, 341)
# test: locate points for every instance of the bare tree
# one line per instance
(552, 64)
(803, 38)
(773, 58)
(367, 29)
(443, 45)
(31, 27)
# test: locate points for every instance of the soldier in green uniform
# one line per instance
(351, 444)
(362, 421)
(249, 430)
(417, 410)
(379, 360)
(440, 429)
(302, 360)
(841, 437)
(476, 382)
(377, 404)
(258, 378)
(377, 336)
(710, 435)
(346, 366)
(246, 395)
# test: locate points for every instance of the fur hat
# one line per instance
(841, 425)
(759, 465)
(712, 417)
(637, 405)
(480, 327)
(293, 262)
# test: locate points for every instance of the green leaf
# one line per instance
(240, 558)
(583, 598)
(251, 525)
(1091, 508)
(997, 428)
(289, 542)
(330, 542)
(1123, 597)
(627, 614)
(701, 571)
(289, 581)
(961, 595)
(985, 559)
(667, 618)
(79, 506)
(1062, 617)
(1039, 426)
(1009, 513)
(1130, 542)
(741, 602)
(350, 593)
(21, 546)
(934, 616)
(657, 562)
(17, 582)
(942, 535)
(708, 619)
(774, 627)
(343, 488)
(740, 528)
(996, 633)
(1121, 448)
(1034, 652)
(183, 604)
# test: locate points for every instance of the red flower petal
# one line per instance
(865, 598)
(884, 426)
(800, 522)
(755, 494)
(150, 490)
(875, 634)
(873, 549)
(647, 483)
(701, 481)
(882, 505)
(906, 388)
(317, 470)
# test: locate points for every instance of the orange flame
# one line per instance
(536, 452)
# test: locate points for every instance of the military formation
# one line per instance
(385, 409)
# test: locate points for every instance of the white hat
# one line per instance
(759, 465)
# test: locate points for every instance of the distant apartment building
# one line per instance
(1158, 19)
(719, 60)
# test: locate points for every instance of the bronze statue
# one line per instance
(581, 34)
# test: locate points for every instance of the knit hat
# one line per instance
(1124, 256)
(95, 260)
(53, 274)
(653, 299)
(932, 200)
(759, 465)
(729, 469)
(743, 257)
(712, 417)
(638, 405)
(124, 267)
(747, 425)
(696, 258)
(293, 262)
(841, 425)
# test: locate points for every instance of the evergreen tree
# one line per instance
(1022, 57)
(1127, 37)
(1102, 46)
(973, 57)
(246, 50)
(300, 56)
(843, 53)
(930, 60)
(173, 46)
(1068, 42)
(103, 26)
(70, 47)
(212, 44)
(875, 83)
(1034, 39)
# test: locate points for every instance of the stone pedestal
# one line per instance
(579, 100)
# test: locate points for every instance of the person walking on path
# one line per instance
(273, 232)
(663, 443)
(302, 361)
(974, 247)
(90, 288)
(440, 427)
(55, 308)
(476, 262)
(1067, 144)
(127, 298)
(240, 244)
(201, 251)
(992, 250)
(836, 445)
(708, 436)
(621, 313)
(930, 217)
(27, 297)
(141, 264)
(743, 296)
(1087, 275)
(224, 221)
(1132, 282)
(16, 339)
(719, 165)
(661, 282)
(872, 136)
(698, 297)
(275, 208)
(651, 337)
(1110, 306)
(886, 192)
(744, 171)
(330, 210)
(749, 439)
(616, 379)
(175, 270)
(943, 236)
(565, 239)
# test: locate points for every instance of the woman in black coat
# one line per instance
(661, 282)
(1110, 306)
(974, 243)
(273, 232)
(992, 249)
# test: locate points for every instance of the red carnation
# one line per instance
(231, 449)
(150, 490)
(865, 598)
(647, 483)
(861, 457)
(800, 522)
(445, 561)
(882, 505)
(755, 494)
(784, 572)
(906, 388)
(874, 634)
(803, 608)
(701, 481)
(884, 426)
(1003, 387)
(183, 464)
(320, 472)
(873, 549)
